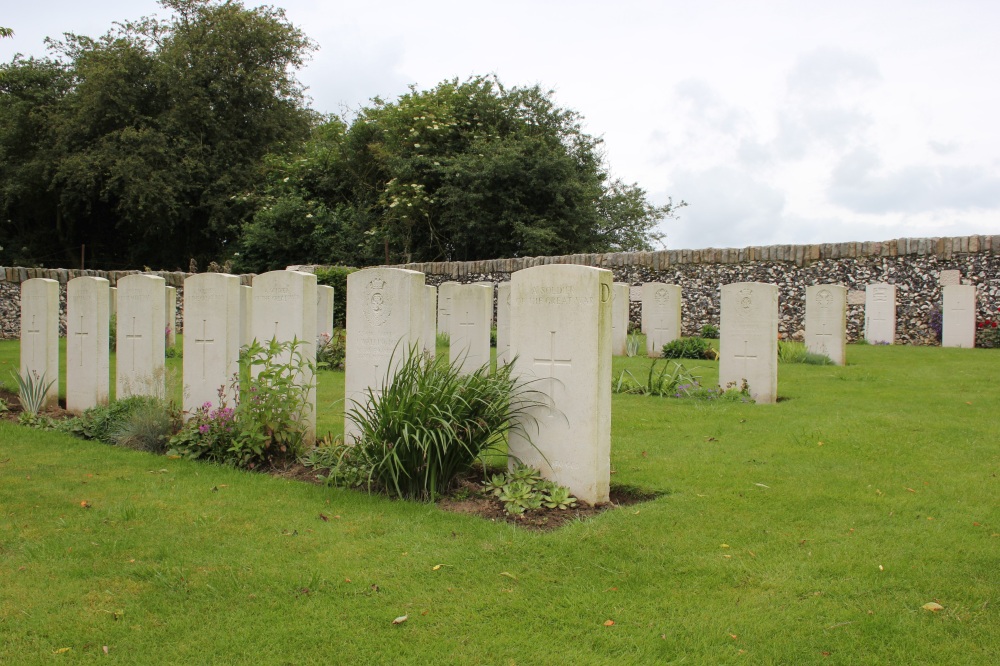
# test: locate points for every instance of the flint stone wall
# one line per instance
(12, 277)
(912, 264)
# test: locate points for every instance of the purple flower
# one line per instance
(207, 406)
(203, 429)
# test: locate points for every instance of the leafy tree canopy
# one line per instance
(467, 170)
(135, 143)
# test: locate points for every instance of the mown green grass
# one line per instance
(809, 531)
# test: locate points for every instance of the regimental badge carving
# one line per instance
(377, 301)
(746, 302)
(824, 298)
(662, 297)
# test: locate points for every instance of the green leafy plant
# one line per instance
(666, 381)
(331, 351)
(336, 277)
(148, 426)
(432, 422)
(710, 332)
(523, 489)
(796, 352)
(632, 345)
(443, 339)
(31, 391)
(267, 424)
(689, 348)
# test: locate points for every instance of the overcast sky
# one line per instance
(778, 122)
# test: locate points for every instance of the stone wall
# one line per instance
(10, 292)
(912, 264)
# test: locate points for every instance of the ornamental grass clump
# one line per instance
(433, 422)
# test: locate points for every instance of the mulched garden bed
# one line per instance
(469, 497)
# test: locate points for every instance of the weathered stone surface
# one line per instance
(950, 277)
(619, 318)
(471, 314)
(561, 337)
(958, 321)
(87, 353)
(661, 309)
(384, 321)
(40, 334)
(211, 338)
(284, 309)
(141, 338)
(445, 290)
(880, 313)
(503, 323)
(324, 312)
(826, 321)
(748, 348)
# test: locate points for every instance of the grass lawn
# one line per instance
(809, 531)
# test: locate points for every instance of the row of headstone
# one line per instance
(553, 321)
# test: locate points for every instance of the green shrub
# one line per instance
(665, 382)
(796, 352)
(710, 332)
(266, 426)
(31, 391)
(104, 421)
(433, 422)
(336, 277)
(332, 351)
(523, 489)
(688, 348)
(147, 427)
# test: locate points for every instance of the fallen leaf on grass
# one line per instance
(61, 650)
(86, 505)
(508, 574)
(325, 519)
(723, 545)
(932, 606)
(436, 567)
(609, 623)
(711, 439)
(401, 619)
(105, 648)
(762, 485)
(910, 490)
(425, 612)
(734, 636)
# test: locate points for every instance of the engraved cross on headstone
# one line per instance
(81, 340)
(204, 341)
(823, 337)
(133, 336)
(745, 356)
(551, 364)
(34, 332)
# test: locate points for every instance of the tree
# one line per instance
(147, 133)
(463, 171)
(6, 32)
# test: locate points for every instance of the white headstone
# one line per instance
(488, 283)
(503, 323)
(324, 312)
(429, 334)
(211, 338)
(880, 313)
(284, 308)
(384, 321)
(246, 315)
(560, 335)
(748, 348)
(113, 304)
(619, 318)
(947, 278)
(444, 307)
(855, 297)
(661, 307)
(826, 321)
(40, 334)
(958, 321)
(170, 311)
(471, 312)
(139, 367)
(87, 355)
